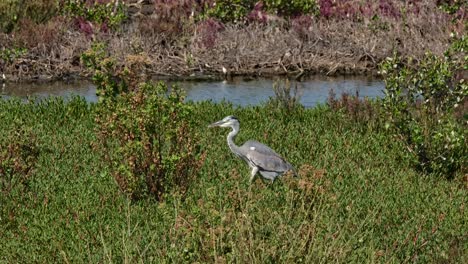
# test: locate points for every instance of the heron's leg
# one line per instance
(252, 174)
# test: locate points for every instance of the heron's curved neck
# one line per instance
(230, 139)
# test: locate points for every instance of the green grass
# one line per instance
(358, 199)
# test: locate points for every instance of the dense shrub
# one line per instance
(345, 9)
(90, 16)
(19, 151)
(8, 55)
(240, 10)
(229, 11)
(422, 104)
(13, 11)
(452, 6)
(292, 8)
(148, 141)
(143, 129)
(105, 71)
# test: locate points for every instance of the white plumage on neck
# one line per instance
(230, 139)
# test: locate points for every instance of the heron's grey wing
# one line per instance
(264, 157)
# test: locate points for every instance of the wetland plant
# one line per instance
(422, 102)
(143, 129)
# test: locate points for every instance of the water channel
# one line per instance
(239, 91)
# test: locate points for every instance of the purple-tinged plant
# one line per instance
(326, 7)
(346, 9)
(353, 9)
(104, 28)
(340, 9)
(84, 26)
(258, 14)
(208, 31)
(301, 25)
(387, 9)
(366, 10)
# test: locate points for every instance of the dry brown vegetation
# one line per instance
(184, 48)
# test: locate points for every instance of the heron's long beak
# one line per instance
(215, 124)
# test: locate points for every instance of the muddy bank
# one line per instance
(213, 52)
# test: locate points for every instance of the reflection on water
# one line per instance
(43, 89)
(241, 92)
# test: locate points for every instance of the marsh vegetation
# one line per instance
(44, 39)
(138, 177)
(359, 197)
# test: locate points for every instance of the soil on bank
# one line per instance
(210, 49)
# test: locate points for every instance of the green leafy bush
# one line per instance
(451, 6)
(295, 7)
(12, 11)
(148, 141)
(230, 11)
(10, 54)
(143, 129)
(107, 14)
(422, 104)
(105, 71)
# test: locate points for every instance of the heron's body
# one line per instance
(258, 156)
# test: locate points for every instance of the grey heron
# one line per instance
(259, 157)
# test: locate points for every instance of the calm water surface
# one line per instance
(241, 92)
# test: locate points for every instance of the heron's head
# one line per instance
(228, 121)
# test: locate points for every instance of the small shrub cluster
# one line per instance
(90, 16)
(113, 78)
(256, 11)
(13, 11)
(8, 55)
(229, 11)
(360, 110)
(422, 103)
(19, 152)
(207, 32)
(345, 9)
(292, 8)
(29, 34)
(287, 96)
(452, 6)
(148, 142)
(174, 17)
(301, 25)
(240, 11)
(226, 11)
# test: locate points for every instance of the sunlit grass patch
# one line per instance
(357, 199)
